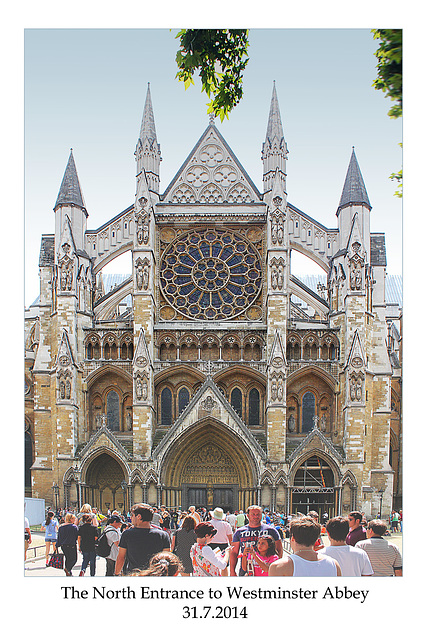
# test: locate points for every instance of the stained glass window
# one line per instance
(211, 274)
(113, 411)
(183, 399)
(308, 411)
(166, 406)
(236, 401)
(253, 407)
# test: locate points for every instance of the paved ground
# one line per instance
(36, 566)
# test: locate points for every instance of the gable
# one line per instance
(209, 402)
(211, 174)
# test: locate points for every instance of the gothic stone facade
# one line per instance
(214, 386)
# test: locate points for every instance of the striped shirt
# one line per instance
(384, 556)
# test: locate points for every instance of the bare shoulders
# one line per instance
(282, 567)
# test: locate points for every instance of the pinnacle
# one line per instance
(354, 190)
(70, 191)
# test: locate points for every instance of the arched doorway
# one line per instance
(209, 466)
(105, 486)
(314, 487)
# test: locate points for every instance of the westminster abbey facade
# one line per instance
(212, 375)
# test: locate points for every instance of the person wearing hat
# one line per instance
(112, 531)
(224, 533)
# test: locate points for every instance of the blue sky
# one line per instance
(85, 89)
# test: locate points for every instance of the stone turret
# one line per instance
(354, 201)
(70, 204)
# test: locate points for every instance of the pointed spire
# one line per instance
(274, 149)
(148, 128)
(274, 126)
(147, 151)
(354, 190)
(70, 192)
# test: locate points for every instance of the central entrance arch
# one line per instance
(209, 466)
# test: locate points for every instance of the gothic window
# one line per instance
(236, 401)
(254, 407)
(308, 411)
(113, 411)
(183, 399)
(89, 351)
(211, 274)
(166, 406)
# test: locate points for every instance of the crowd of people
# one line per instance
(155, 541)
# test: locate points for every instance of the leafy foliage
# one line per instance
(389, 78)
(389, 67)
(220, 56)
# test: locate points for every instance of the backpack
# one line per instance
(102, 546)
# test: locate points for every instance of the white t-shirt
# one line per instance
(113, 535)
(231, 519)
(353, 561)
(223, 529)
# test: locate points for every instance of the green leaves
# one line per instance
(389, 79)
(220, 57)
(389, 55)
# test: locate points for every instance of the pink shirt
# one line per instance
(268, 560)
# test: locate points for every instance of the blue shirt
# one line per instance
(51, 533)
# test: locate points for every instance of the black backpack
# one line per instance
(102, 546)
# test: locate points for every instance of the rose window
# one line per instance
(211, 275)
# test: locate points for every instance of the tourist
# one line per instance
(357, 532)
(50, 526)
(241, 520)
(166, 520)
(205, 561)
(261, 556)
(304, 561)
(192, 512)
(162, 565)
(353, 561)
(395, 521)
(67, 540)
(157, 518)
(224, 534)
(88, 534)
(250, 533)
(182, 541)
(27, 536)
(113, 534)
(231, 519)
(385, 557)
(84, 511)
(141, 541)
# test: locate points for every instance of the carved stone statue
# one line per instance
(129, 421)
(139, 277)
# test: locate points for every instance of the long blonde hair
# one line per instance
(86, 508)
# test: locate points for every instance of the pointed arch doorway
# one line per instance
(314, 487)
(209, 466)
(105, 486)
